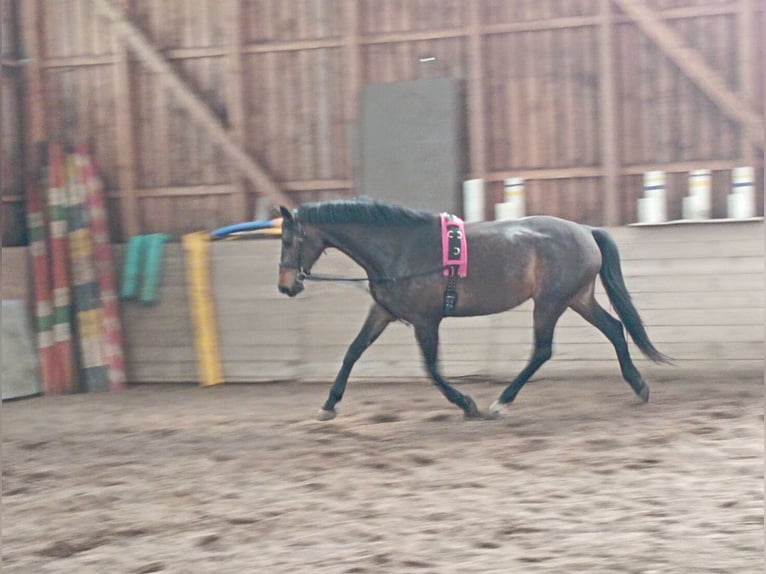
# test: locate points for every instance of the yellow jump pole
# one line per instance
(197, 246)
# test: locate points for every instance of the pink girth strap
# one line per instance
(453, 231)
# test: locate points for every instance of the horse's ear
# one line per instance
(286, 213)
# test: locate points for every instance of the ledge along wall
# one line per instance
(698, 286)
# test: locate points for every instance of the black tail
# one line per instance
(611, 276)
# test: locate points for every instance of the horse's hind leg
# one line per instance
(600, 318)
(545, 318)
(376, 322)
(428, 339)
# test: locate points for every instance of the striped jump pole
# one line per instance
(94, 203)
(87, 301)
(49, 367)
(62, 308)
(105, 273)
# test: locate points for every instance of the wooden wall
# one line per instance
(11, 138)
(698, 287)
(573, 96)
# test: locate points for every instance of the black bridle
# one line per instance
(304, 275)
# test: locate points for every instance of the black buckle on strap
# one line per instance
(450, 293)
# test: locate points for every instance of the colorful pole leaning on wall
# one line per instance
(87, 301)
(49, 367)
(62, 310)
(96, 209)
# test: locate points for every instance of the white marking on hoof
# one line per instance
(324, 415)
(498, 409)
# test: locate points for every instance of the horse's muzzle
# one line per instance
(289, 283)
(293, 290)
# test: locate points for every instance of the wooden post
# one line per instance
(476, 94)
(126, 160)
(695, 68)
(197, 109)
(235, 101)
(34, 120)
(608, 116)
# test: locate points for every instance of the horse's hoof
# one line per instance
(497, 410)
(644, 393)
(325, 415)
(472, 411)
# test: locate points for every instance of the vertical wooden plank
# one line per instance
(548, 100)
(206, 70)
(323, 141)
(276, 102)
(353, 79)
(516, 134)
(707, 110)
(34, 121)
(235, 101)
(569, 98)
(591, 95)
(522, 154)
(304, 105)
(287, 66)
(476, 94)
(727, 61)
(125, 141)
(746, 34)
(163, 157)
(608, 118)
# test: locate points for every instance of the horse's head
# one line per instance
(300, 250)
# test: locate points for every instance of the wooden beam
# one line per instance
(540, 25)
(317, 184)
(293, 45)
(80, 61)
(11, 63)
(197, 52)
(695, 68)
(637, 169)
(197, 109)
(222, 189)
(188, 191)
(608, 116)
(476, 93)
(547, 173)
(415, 36)
(683, 166)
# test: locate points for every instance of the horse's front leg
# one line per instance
(428, 339)
(377, 320)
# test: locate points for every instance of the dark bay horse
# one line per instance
(552, 261)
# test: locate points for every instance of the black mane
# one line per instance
(362, 211)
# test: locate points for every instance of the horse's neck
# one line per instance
(383, 250)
